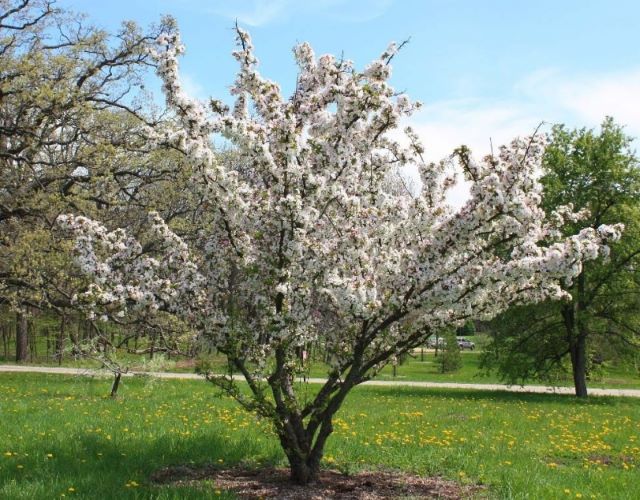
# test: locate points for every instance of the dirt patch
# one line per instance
(274, 483)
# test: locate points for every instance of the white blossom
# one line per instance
(307, 244)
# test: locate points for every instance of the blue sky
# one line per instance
(483, 69)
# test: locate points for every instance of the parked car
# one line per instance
(431, 342)
(465, 343)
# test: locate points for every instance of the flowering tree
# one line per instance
(70, 111)
(300, 242)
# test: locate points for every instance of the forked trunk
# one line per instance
(303, 472)
(302, 452)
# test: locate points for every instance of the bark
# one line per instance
(5, 341)
(116, 384)
(60, 339)
(22, 337)
(304, 453)
(579, 365)
(304, 444)
(577, 340)
(579, 346)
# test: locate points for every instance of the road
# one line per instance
(632, 393)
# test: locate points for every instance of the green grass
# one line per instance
(60, 432)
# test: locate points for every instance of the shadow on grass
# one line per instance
(92, 467)
(496, 396)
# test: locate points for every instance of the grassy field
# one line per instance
(62, 437)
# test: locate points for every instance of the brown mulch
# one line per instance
(274, 483)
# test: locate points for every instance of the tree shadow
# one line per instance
(95, 467)
(502, 396)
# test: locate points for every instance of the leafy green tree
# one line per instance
(450, 359)
(469, 328)
(597, 173)
(74, 126)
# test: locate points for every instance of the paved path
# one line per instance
(633, 393)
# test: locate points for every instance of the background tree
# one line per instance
(450, 359)
(305, 231)
(74, 128)
(599, 174)
(469, 328)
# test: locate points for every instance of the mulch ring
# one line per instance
(274, 483)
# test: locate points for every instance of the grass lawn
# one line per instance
(61, 436)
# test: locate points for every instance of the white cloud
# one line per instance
(257, 12)
(262, 12)
(482, 126)
(589, 98)
(192, 86)
(543, 96)
(446, 125)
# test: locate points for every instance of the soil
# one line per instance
(274, 483)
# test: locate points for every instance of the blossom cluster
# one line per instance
(303, 241)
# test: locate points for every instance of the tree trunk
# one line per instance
(579, 366)
(33, 341)
(6, 334)
(59, 350)
(304, 455)
(304, 444)
(116, 384)
(577, 350)
(301, 471)
(22, 337)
